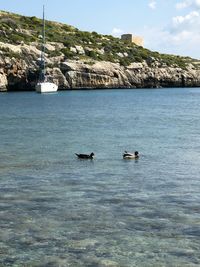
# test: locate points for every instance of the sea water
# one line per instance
(57, 210)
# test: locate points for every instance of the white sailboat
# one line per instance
(43, 85)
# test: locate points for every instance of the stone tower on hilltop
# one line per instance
(133, 39)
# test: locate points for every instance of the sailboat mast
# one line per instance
(43, 44)
(42, 60)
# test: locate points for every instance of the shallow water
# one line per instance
(56, 210)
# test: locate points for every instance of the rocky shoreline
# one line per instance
(19, 72)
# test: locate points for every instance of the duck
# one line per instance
(85, 156)
(128, 155)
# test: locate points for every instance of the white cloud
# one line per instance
(188, 3)
(152, 4)
(182, 36)
(185, 29)
(116, 32)
(188, 20)
(183, 4)
(197, 2)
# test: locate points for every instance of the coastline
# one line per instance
(78, 75)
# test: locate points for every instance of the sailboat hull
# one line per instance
(46, 87)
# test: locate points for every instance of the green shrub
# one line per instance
(68, 43)
(124, 62)
(67, 53)
(92, 54)
(67, 28)
(11, 23)
(54, 53)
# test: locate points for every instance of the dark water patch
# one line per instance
(113, 201)
(70, 182)
(147, 226)
(186, 255)
(45, 199)
(152, 215)
(192, 231)
(193, 208)
(8, 261)
(176, 200)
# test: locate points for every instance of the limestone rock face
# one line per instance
(137, 75)
(59, 78)
(3, 81)
(98, 75)
(19, 71)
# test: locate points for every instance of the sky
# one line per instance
(167, 26)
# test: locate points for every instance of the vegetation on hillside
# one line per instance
(16, 29)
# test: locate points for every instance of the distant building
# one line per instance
(133, 39)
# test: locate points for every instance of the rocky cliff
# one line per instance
(21, 73)
(78, 59)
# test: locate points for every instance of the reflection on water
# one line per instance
(56, 210)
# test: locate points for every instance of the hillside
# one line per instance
(80, 59)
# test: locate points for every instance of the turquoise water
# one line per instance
(56, 210)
